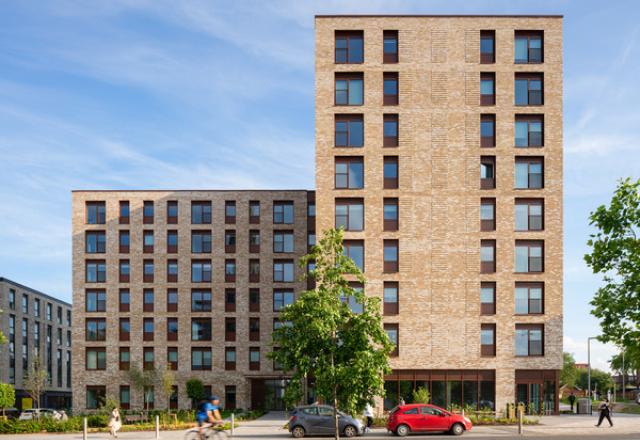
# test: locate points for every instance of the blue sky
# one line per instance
(219, 94)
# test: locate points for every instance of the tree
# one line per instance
(345, 351)
(631, 363)
(7, 396)
(600, 380)
(569, 372)
(3, 339)
(35, 381)
(615, 254)
(168, 381)
(195, 390)
(421, 395)
(143, 380)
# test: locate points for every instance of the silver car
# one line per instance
(318, 420)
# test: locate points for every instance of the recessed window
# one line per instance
(96, 242)
(254, 329)
(487, 339)
(148, 269)
(201, 271)
(529, 214)
(124, 329)
(529, 340)
(172, 242)
(529, 47)
(200, 300)
(487, 256)
(172, 300)
(172, 329)
(487, 130)
(529, 131)
(390, 172)
(349, 172)
(529, 173)
(201, 213)
(529, 256)
(488, 214)
(487, 88)
(148, 300)
(147, 212)
(96, 396)
(96, 329)
(349, 47)
(124, 242)
(172, 358)
(529, 89)
(311, 208)
(230, 358)
(124, 271)
(172, 212)
(349, 214)
(254, 270)
(96, 213)
(229, 241)
(282, 298)
(529, 298)
(254, 212)
(354, 249)
(254, 300)
(349, 131)
(254, 358)
(201, 329)
(283, 241)
(391, 256)
(390, 88)
(95, 301)
(147, 242)
(124, 212)
(124, 358)
(254, 241)
(487, 47)
(488, 298)
(96, 271)
(229, 300)
(124, 300)
(390, 47)
(148, 328)
(172, 271)
(390, 214)
(390, 127)
(230, 212)
(96, 358)
(487, 172)
(349, 89)
(200, 358)
(391, 298)
(283, 213)
(393, 333)
(201, 242)
(283, 271)
(230, 271)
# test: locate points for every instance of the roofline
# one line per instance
(189, 190)
(22, 286)
(441, 15)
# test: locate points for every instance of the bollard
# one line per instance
(84, 428)
(519, 421)
(233, 423)
(157, 427)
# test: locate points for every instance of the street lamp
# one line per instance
(589, 364)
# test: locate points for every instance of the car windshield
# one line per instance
(394, 410)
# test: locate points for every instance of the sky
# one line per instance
(220, 94)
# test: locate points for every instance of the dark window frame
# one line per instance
(348, 202)
(488, 99)
(488, 350)
(391, 224)
(349, 78)
(391, 308)
(347, 36)
(352, 122)
(488, 225)
(391, 141)
(488, 308)
(390, 182)
(394, 326)
(389, 57)
(532, 140)
(488, 266)
(201, 212)
(349, 176)
(488, 141)
(488, 57)
(531, 303)
(529, 203)
(171, 218)
(392, 98)
(528, 328)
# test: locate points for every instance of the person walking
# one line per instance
(115, 423)
(572, 400)
(368, 413)
(605, 411)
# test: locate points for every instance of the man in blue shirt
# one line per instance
(208, 413)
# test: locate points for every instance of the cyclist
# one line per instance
(208, 414)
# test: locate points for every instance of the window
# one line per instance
(124, 329)
(529, 214)
(201, 329)
(148, 270)
(95, 242)
(349, 131)
(229, 329)
(148, 241)
(125, 396)
(529, 173)
(172, 358)
(349, 89)
(68, 318)
(96, 213)
(487, 339)
(229, 212)
(254, 241)
(148, 358)
(172, 271)
(529, 340)
(487, 131)
(254, 329)
(148, 395)
(49, 311)
(12, 299)
(390, 47)
(96, 272)
(283, 271)
(230, 397)
(229, 300)
(487, 256)
(96, 358)
(487, 172)
(68, 341)
(96, 301)
(488, 298)
(390, 214)
(124, 242)
(254, 271)
(390, 296)
(311, 208)
(254, 358)
(487, 47)
(349, 47)
(349, 173)
(529, 298)
(282, 298)
(201, 271)
(124, 300)
(147, 329)
(201, 300)
(529, 89)
(355, 305)
(148, 300)
(147, 212)
(350, 214)
(172, 212)
(172, 329)
(311, 239)
(230, 271)
(528, 47)
(124, 271)
(354, 249)
(254, 212)
(200, 358)
(390, 256)
(96, 395)
(36, 307)
(283, 241)
(25, 304)
(390, 128)
(124, 358)
(201, 242)
(96, 329)
(488, 214)
(172, 300)
(487, 88)
(124, 213)
(390, 88)
(529, 256)
(230, 358)
(172, 242)
(200, 213)
(393, 334)
(254, 300)
(173, 397)
(390, 171)
(59, 315)
(529, 131)
(230, 241)
(283, 213)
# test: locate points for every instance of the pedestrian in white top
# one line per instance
(115, 423)
(368, 413)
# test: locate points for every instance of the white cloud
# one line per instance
(600, 353)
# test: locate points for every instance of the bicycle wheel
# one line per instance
(218, 435)
(192, 435)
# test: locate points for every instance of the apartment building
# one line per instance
(37, 326)
(439, 150)
(190, 281)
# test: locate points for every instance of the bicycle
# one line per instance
(210, 432)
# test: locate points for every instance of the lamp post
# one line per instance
(589, 364)
(623, 375)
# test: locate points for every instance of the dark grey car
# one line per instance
(318, 420)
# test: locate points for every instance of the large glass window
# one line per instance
(282, 298)
(283, 271)
(349, 47)
(528, 89)
(283, 241)
(349, 131)
(201, 242)
(96, 242)
(201, 271)
(200, 300)
(529, 131)
(96, 271)
(96, 359)
(200, 358)
(390, 47)
(354, 249)
(487, 47)
(349, 89)
(529, 339)
(283, 212)
(200, 213)
(529, 298)
(349, 172)
(350, 214)
(529, 173)
(201, 329)
(529, 256)
(528, 47)
(96, 213)
(529, 214)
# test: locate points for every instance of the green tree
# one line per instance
(615, 253)
(421, 395)
(631, 363)
(143, 380)
(345, 351)
(600, 380)
(569, 372)
(7, 396)
(35, 381)
(195, 390)
(168, 381)
(3, 339)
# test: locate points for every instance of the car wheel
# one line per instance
(402, 430)
(350, 431)
(297, 432)
(457, 429)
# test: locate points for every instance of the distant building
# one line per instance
(582, 366)
(36, 325)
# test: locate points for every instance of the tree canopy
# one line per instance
(569, 372)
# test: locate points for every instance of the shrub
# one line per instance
(421, 395)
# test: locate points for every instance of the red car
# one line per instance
(420, 417)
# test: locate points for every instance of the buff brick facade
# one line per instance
(439, 195)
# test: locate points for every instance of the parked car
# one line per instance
(419, 417)
(318, 420)
(34, 413)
